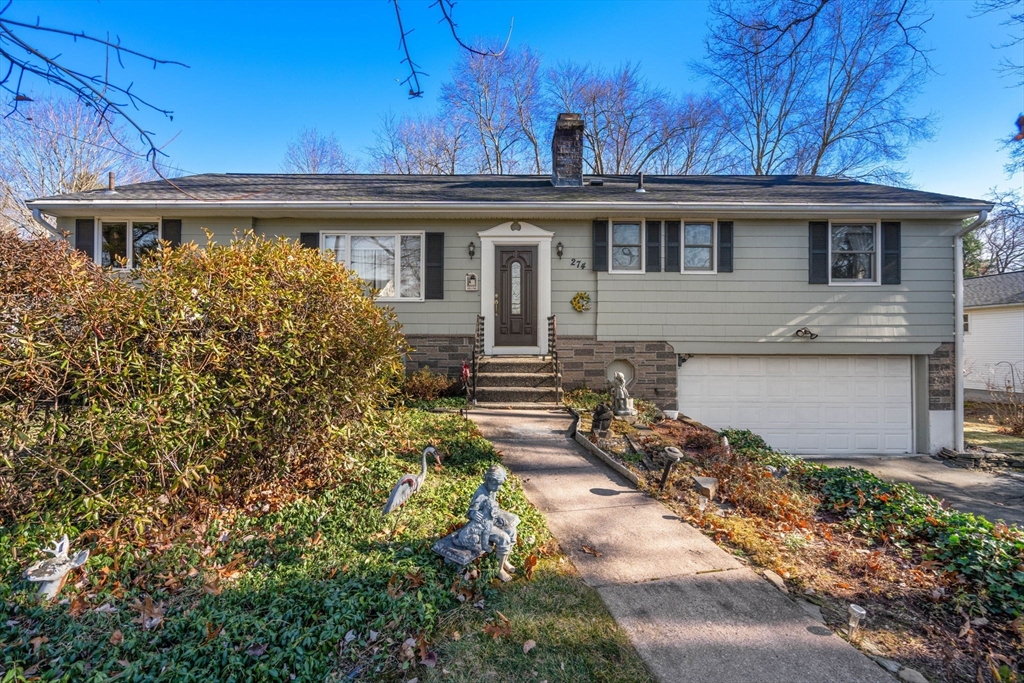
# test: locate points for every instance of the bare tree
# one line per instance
(525, 88)
(1002, 237)
(314, 152)
(700, 144)
(629, 121)
(481, 92)
(820, 87)
(762, 78)
(432, 146)
(1014, 20)
(58, 146)
(24, 64)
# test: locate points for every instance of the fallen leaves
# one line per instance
(151, 614)
(498, 627)
(529, 565)
(37, 643)
(591, 551)
(212, 632)
(529, 645)
(257, 649)
(116, 638)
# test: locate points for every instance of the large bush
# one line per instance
(207, 371)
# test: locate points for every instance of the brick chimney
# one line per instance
(567, 151)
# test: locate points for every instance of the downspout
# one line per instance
(958, 326)
(52, 229)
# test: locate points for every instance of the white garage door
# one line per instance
(805, 404)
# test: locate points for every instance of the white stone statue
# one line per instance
(622, 404)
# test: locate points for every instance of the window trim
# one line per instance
(397, 234)
(97, 237)
(877, 265)
(966, 322)
(642, 222)
(714, 247)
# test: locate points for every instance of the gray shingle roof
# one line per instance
(994, 290)
(518, 188)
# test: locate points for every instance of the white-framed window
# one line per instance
(967, 323)
(699, 246)
(121, 242)
(853, 252)
(390, 263)
(627, 246)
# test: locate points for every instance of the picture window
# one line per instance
(391, 264)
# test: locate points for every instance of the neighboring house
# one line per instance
(815, 311)
(993, 334)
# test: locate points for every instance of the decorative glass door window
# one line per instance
(123, 243)
(853, 252)
(517, 288)
(698, 241)
(627, 247)
(395, 275)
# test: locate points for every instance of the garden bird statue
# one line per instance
(50, 574)
(410, 483)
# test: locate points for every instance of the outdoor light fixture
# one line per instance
(856, 614)
(516, 226)
(559, 249)
(472, 249)
(804, 332)
(682, 358)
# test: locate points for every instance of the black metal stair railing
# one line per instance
(553, 350)
(478, 351)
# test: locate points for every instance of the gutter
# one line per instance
(503, 209)
(958, 327)
(52, 229)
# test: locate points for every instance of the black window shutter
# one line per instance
(672, 246)
(724, 246)
(85, 236)
(309, 240)
(890, 253)
(434, 266)
(818, 253)
(171, 228)
(653, 246)
(601, 245)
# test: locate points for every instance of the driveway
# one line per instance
(994, 496)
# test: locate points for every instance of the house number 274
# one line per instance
(576, 263)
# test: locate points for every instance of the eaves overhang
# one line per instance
(493, 209)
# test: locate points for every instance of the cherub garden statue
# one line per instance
(489, 528)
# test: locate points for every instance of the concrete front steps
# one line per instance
(504, 381)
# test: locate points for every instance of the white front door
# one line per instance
(805, 404)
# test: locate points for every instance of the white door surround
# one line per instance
(507, 235)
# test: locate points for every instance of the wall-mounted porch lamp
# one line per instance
(472, 249)
(559, 249)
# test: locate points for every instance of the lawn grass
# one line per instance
(316, 586)
(981, 428)
(576, 639)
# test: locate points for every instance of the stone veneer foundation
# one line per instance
(584, 360)
(941, 377)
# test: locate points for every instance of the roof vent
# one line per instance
(640, 182)
(110, 184)
(597, 182)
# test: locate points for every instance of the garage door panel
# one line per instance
(805, 404)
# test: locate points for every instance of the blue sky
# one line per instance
(260, 71)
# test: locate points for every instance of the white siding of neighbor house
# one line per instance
(996, 335)
(766, 298)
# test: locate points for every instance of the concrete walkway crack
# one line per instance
(692, 610)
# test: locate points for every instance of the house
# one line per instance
(993, 335)
(818, 312)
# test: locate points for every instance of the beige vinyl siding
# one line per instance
(767, 297)
(996, 336)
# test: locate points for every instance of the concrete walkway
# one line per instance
(994, 496)
(693, 612)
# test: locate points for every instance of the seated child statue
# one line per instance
(489, 525)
